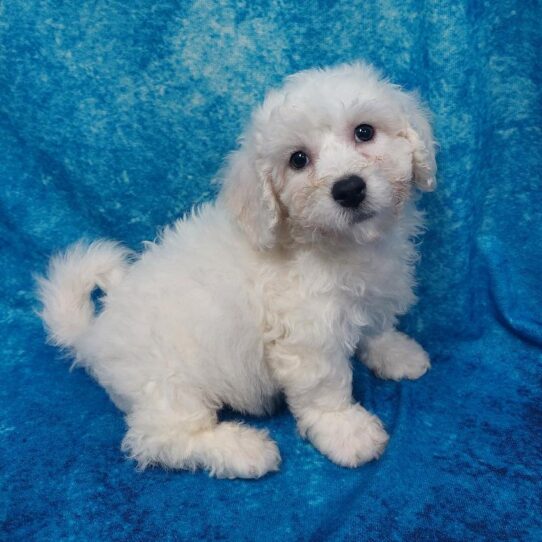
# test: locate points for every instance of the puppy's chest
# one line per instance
(350, 290)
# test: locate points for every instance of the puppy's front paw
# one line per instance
(395, 356)
(349, 437)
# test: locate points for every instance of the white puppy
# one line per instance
(306, 254)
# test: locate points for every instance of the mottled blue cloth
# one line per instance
(114, 118)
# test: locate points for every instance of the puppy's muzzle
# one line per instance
(349, 192)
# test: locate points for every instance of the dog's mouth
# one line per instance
(355, 214)
(361, 215)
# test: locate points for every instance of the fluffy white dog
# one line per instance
(306, 255)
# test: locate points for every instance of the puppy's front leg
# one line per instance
(393, 355)
(319, 393)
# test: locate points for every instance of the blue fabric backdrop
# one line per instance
(114, 117)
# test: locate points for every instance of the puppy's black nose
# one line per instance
(349, 192)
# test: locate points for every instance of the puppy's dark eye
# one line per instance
(299, 160)
(364, 132)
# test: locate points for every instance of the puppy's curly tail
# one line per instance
(66, 291)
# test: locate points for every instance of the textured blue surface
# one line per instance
(114, 116)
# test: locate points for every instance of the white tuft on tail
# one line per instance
(66, 291)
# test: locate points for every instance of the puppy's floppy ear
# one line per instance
(248, 193)
(420, 135)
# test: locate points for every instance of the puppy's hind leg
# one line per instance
(160, 435)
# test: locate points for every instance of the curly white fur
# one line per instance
(267, 290)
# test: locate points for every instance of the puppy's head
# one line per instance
(335, 152)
